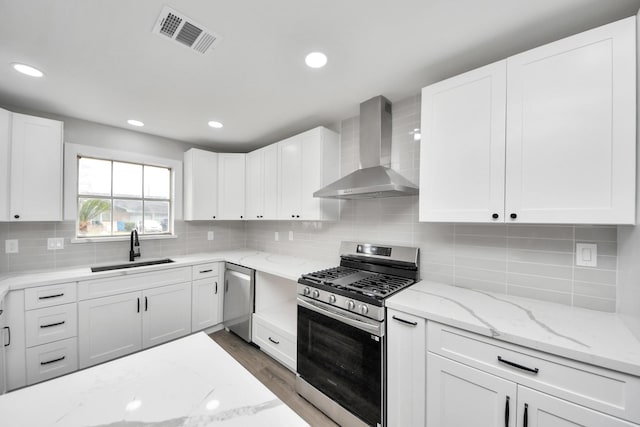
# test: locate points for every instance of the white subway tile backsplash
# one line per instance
(592, 303)
(540, 294)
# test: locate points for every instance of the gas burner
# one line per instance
(330, 274)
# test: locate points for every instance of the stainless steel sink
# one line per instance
(130, 265)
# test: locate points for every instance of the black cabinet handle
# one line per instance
(52, 296)
(274, 341)
(506, 413)
(138, 305)
(146, 304)
(293, 216)
(513, 216)
(297, 216)
(526, 415)
(517, 365)
(206, 271)
(495, 216)
(406, 322)
(216, 292)
(53, 361)
(52, 324)
(16, 216)
(9, 335)
(214, 217)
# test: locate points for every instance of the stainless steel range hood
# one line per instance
(374, 178)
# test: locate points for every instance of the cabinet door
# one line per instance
(571, 112)
(537, 409)
(36, 169)
(290, 156)
(205, 303)
(109, 327)
(270, 197)
(5, 162)
(462, 148)
(3, 368)
(311, 175)
(254, 203)
(200, 185)
(406, 353)
(166, 314)
(231, 186)
(458, 395)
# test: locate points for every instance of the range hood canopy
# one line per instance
(374, 178)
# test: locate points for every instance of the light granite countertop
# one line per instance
(588, 336)
(188, 382)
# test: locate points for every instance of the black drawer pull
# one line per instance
(216, 291)
(274, 341)
(52, 324)
(526, 415)
(52, 361)
(406, 322)
(506, 413)
(516, 365)
(52, 296)
(146, 304)
(206, 271)
(9, 335)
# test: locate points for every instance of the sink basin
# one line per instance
(130, 265)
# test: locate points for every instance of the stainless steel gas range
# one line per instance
(341, 350)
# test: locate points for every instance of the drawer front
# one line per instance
(204, 271)
(51, 360)
(128, 282)
(275, 343)
(51, 324)
(47, 296)
(608, 391)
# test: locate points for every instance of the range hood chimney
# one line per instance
(374, 178)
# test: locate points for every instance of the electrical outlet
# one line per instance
(55, 243)
(276, 236)
(210, 235)
(587, 254)
(11, 246)
(290, 235)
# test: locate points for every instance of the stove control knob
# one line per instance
(306, 291)
(351, 305)
(364, 309)
(332, 299)
(316, 293)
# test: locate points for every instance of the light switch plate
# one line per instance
(587, 254)
(210, 235)
(11, 246)
(55, 243)
(276, 236)
(290, 235)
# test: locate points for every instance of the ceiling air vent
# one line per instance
(185, 30)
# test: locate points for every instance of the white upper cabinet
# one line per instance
(5, 162)
(231, 180)
(35, 177)
(261, 197)
(462, 150)
(308, 162)
(571, 129)
(568, 152)
(200, 185)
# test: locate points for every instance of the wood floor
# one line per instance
(273, 375)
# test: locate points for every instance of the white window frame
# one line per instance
(71, 153)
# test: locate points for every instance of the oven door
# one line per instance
(342, 356)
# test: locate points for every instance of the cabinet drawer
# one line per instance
(204, 271)
(275, 342)
(51, 324)
(608, 391)
(51, 360)
(129, 281)
(47, 296)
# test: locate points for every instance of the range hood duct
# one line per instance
(374, 178)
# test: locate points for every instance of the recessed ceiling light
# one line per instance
(135, 123)
(27, 69)
(316, 60)
(215, 125)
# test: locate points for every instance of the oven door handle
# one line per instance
(373, 329)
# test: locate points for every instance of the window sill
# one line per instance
(122, 238)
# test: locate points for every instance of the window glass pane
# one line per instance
(94, 177)
(156, 217)
(127, 215)
(127, 180)
(94, 217)
(157, 182)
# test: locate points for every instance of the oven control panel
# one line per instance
(345, 303)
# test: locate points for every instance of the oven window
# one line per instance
(343, 362)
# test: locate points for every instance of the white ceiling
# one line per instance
(103, 64)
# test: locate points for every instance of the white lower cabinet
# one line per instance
(406, 352)
(206, 303)
(52, 360)
(276, 342)
(117, 325)
(2, 344)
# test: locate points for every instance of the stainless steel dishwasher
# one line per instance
(238, 299)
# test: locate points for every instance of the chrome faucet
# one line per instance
(135, 243)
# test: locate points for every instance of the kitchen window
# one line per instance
(116, 197)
